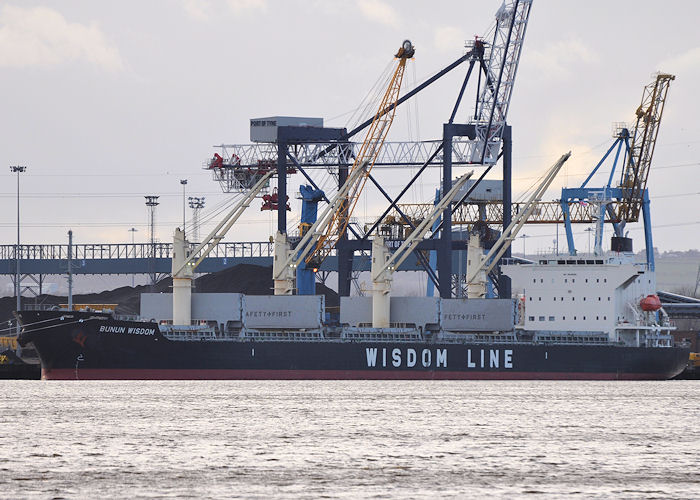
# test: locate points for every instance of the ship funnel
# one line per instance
(621, 244)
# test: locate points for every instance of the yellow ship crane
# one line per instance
(364, 161)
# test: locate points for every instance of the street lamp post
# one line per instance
(18, 291)
(524, 237)
(184, 183)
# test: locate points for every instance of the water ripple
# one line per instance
(349, 439)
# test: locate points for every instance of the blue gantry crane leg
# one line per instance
(306, 276)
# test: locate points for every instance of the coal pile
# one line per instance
(243, 278)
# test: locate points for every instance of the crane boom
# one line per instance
(636, 171)
(626, 207)
(365, 159)
(196, 257)
(503, 59)
(502, 244)
(410, 243)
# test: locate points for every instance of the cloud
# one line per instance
(557, 61)
(379, 12)
(243, 6)
(684, 62)
(197, 9)
(42, 37)
(448, 39)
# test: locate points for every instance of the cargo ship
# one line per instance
(574, 317)
(580, 319)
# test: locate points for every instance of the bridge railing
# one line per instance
(92, 251)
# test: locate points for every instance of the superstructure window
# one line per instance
(531, 318)
(541, 318)
(551, 318)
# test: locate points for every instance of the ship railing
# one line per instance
(571, 338)
(189, 334)
(41, 307)
(127, 317)
(388, 334)
(658, 340)
(500, 338)
(300, 335)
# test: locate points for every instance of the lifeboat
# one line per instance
(650, 303)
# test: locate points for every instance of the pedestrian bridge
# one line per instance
(142, 258)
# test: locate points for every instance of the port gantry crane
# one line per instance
(498, 60)
(320, 239)
(616, 205)
(364, 161)
(623, 204)
(484, 139)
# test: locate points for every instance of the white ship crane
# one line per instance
(384, 264)
(185, 262)
(477, 273)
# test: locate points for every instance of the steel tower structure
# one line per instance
(481, 139)
(152, 202)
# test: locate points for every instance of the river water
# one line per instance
(349, 439)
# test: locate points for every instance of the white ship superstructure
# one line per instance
(589, 298)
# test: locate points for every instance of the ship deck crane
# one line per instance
(184, 262)
(488, 122)
(384, 264)
(488, 262)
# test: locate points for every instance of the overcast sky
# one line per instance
(106, 102)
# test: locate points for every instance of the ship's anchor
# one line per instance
(78, 359)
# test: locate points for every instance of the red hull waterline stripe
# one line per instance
(159, 374)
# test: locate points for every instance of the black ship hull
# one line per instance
(94, 346)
